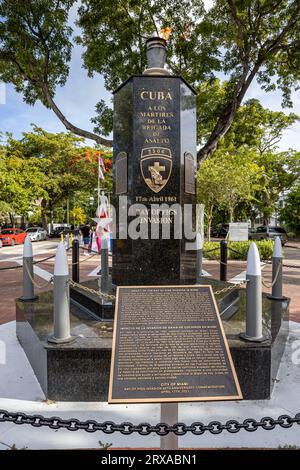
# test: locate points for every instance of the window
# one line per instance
(276, 230)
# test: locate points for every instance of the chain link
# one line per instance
(98, 293)
(232, 287)
(269, 285)
(291, 266)
(80, 261)
(144, 429)
(39, 286)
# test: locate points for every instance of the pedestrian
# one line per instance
(85, 231)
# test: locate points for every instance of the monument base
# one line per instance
(79, 371)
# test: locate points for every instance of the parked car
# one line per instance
(12, 236)
(223, 230)
(269, 232)
(214, 232)
(56, 232)
(36, 233)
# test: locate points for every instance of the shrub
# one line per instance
(291, 235)
(265, 248)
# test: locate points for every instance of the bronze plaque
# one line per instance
(121, 173)
(169, 345)
(189, 173)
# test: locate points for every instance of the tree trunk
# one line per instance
(68, 125)
(23, 225)
(44, 215)
(12, 219)
(209, 221)
(51, 216)
(231, 212)
(225, 120)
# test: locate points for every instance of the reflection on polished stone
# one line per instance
(80, 371)
(155, 125)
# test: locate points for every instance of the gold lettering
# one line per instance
(155, 95)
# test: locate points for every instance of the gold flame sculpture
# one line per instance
(165, 33)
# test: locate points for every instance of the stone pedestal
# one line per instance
(154, 167)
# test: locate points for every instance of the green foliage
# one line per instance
(281, 170)
(290, 213)
(35, 45)
(42, 170)
(104, 119)
(227, 179)
(21, 182)
(78, 216)
(265, 248)
(242, 39)
(254, 133)
(258, 128)
(36, 217)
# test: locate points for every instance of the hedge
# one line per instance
(265, 248)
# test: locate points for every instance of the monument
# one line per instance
(169, 345)
(154, 180)
(154, 165)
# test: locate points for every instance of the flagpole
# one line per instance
(98, 185)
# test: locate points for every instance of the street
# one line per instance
(11, 280)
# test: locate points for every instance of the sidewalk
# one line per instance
(20, 391)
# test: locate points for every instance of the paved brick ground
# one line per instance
(11, 281)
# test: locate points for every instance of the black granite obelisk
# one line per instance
(154, 165)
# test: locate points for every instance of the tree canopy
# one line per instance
(290, 213)
(43, 169)
(239, 41)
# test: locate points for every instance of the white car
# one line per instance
(36, 233)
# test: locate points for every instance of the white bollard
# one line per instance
(277, 271)
(253, 297)
(61, 298)
(28, 288)
(199, 248)
(105, 282)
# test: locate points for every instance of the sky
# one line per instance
(78, 97)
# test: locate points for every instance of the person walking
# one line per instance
(86, 232)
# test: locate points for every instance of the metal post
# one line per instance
(223, 259)
(253, 297)
(75, 260)
(61, 298)
(169, 415)
(199, 248)
(277, 271)
(28, 288)
(105, 282)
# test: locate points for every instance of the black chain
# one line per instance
(237, 252)
(11, 267)
(294, 266)
(144, 429)
(210, 251)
